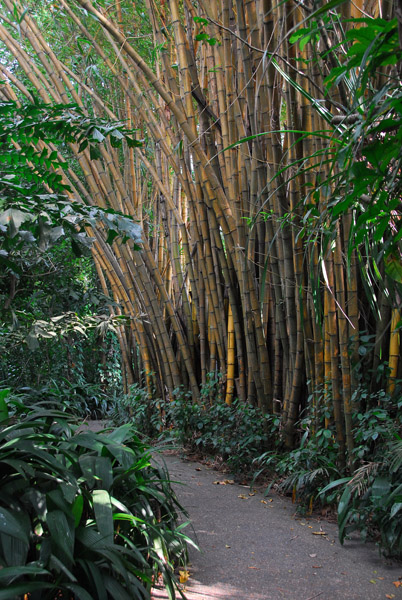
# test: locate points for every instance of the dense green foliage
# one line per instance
(82, 513)
(344, 195)
(233, 434)
(366, 171)
(37, 203)
(59, 328)
(236, 435)
(48, 288)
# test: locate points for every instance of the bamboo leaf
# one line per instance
(326, 7)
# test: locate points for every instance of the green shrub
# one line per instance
(378, 424)
(83, 401)
(83, 515)
(137, 408)
(305, 470)
(237, 433)
(371, 501)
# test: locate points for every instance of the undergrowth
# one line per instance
(82, 514)
(236, 434)
(367, 492)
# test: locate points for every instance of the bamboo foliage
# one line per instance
(225, 279)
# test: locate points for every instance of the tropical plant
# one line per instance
(139, 409)
(370, 501)
(249, 113)
(48, 294)
(83, 515)
(235, 433)
(304, 471)
(37, 204)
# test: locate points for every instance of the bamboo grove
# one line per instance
(234, 276)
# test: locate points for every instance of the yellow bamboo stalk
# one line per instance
(230, 368)
(394, 349)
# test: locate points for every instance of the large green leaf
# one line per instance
(343, 511)
(381, 487)
(77, 509)
(19, 589)
(104, 472)
(94, 574)
(103, 514)
(80, 592)
(15, 551)
(91, 538)
(116, 590)
(3, 404)
(59, 567)
(21, 571)
(12, 524)
(62, 534)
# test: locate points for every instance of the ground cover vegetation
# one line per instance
(260, 314)
(83, 514)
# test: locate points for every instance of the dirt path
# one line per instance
(257, 549)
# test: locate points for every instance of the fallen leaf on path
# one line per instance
(254, 568)
(263, 502)
(381, 578)
(312, 555)
(397, 583)
(198, 469)
(184, 575)
(224, 482)
(318, 533)
(373, 581)
(251, 493)
(316, 567)
(243, 497)
(226, 546)
(390, 596)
